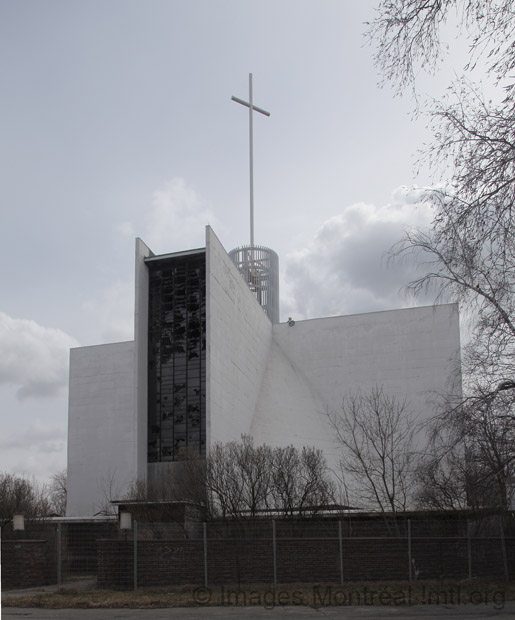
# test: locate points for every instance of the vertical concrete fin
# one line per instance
(141, 355)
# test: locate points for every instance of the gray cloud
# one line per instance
(34, 358)
(344, 269)
(38, 437)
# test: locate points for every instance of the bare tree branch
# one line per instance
(375, 434)
(407, 35)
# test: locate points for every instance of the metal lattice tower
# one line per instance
(259, 267)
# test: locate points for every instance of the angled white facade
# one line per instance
(131, 410)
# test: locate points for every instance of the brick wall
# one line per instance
(24, 563)
(299, 560)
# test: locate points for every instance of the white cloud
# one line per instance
(344, 268)
(177, 218)
(34, 358)
(113, 313)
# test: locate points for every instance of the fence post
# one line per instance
(504, 555)
(135, 561)
(274, 545)
(59, 553)
(409, 552)
(205, 553)
(340, 540)
(469, 548)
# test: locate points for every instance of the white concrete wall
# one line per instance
(412, 353)
(290, 410)
(404, 350)
(101, 429)
(141, 356)
(239, 336)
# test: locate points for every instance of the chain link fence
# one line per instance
(53, 551)
(262, 551)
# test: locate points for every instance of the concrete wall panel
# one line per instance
(141, 356)
(239, 335)
(290, 410)
(101, 430)
(412, 353)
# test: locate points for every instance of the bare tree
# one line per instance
(491, 453)
(470, 250)
(301, 483)
(239, 480)
(442, 481)
(109, 491)
(470, 460)
(233, 481)
(238, 477)
(223, 481)
(57, 492)
(244, 479)
(375, 434)
(19, 495)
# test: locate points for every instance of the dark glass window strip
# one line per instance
(177, 358)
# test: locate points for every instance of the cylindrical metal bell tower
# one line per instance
(259, 267)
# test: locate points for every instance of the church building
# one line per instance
(211, 361)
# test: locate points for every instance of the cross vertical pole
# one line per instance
(252, 108)
(251, 162)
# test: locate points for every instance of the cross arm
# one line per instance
(254, 107)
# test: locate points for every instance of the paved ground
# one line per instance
(469, 611)
(424, 612)
(77, 584)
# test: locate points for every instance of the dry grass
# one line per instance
(313, 595)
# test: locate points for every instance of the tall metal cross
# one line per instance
(249, 104)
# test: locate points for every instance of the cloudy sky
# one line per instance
(117, 122)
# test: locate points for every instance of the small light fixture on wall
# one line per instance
(18, 523)
(125, 520)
